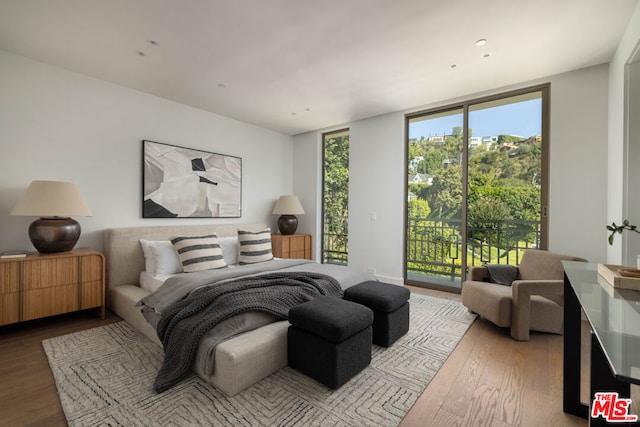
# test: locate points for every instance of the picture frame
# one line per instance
(180, 182)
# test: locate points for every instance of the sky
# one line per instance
(521, 118)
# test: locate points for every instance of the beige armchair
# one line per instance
(534, 301)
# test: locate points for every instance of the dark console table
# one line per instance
(614, 317)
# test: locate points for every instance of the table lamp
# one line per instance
(54, 202)
(288, 207)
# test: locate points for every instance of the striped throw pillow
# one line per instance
(254, 246)
(199, 252)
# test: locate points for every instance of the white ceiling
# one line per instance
(299, 65)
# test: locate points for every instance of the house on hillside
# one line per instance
(413, 163)
(420, 178)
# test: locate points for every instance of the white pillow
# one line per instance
(229, 247)
(165, 258)
(254, 246)
(152, 282)
(149, 261)
(199, 252)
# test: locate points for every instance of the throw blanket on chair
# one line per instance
(502, 274)
(184, 323)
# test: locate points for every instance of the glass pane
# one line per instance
(504, 179)
(335, 198)
(434, 217)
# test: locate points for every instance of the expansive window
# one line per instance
(335, 197)
(476, 189)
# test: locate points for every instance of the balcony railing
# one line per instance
(435, 245)
(335, 241)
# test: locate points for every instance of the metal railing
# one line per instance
(335, 241)
(435, 245)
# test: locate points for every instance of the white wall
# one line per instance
(376, 189)
(307, 185)
(631, 243)
(578, 176)
(58, 125)
(617, 208)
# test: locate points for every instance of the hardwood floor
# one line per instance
(489, 379)
(493, 380)
(28, 395)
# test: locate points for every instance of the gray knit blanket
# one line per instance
(186, 322)
(502, 274)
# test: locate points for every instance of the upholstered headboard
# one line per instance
(124, 257)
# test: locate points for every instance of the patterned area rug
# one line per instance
(105, 375)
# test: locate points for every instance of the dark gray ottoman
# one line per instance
(329, 339)
(390, 309)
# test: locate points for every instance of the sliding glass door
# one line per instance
(435, 197)
(476, 190)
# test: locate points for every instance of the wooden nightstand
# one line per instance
(291, 246)
(41, 285)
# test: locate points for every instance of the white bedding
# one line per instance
(151, 282)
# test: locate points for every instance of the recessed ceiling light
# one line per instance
(153, 42)
(141, 53)
(222, 85)
(486, 55)
(481, 42)
(452, 66)
(293, 114)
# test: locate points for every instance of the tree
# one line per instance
(419, 209)
(485, 217)
(420, 190)
(522, 203)
(416, 148)
(433, 159)
(445, 193)
(507, 139)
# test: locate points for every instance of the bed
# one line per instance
(237, 362)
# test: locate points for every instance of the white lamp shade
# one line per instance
(52, 199)
(288, 205)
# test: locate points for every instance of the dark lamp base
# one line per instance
(287, 224)
(51, 235)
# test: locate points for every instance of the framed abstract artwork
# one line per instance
(181, 182)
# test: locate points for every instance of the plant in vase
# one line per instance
(613, 228)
